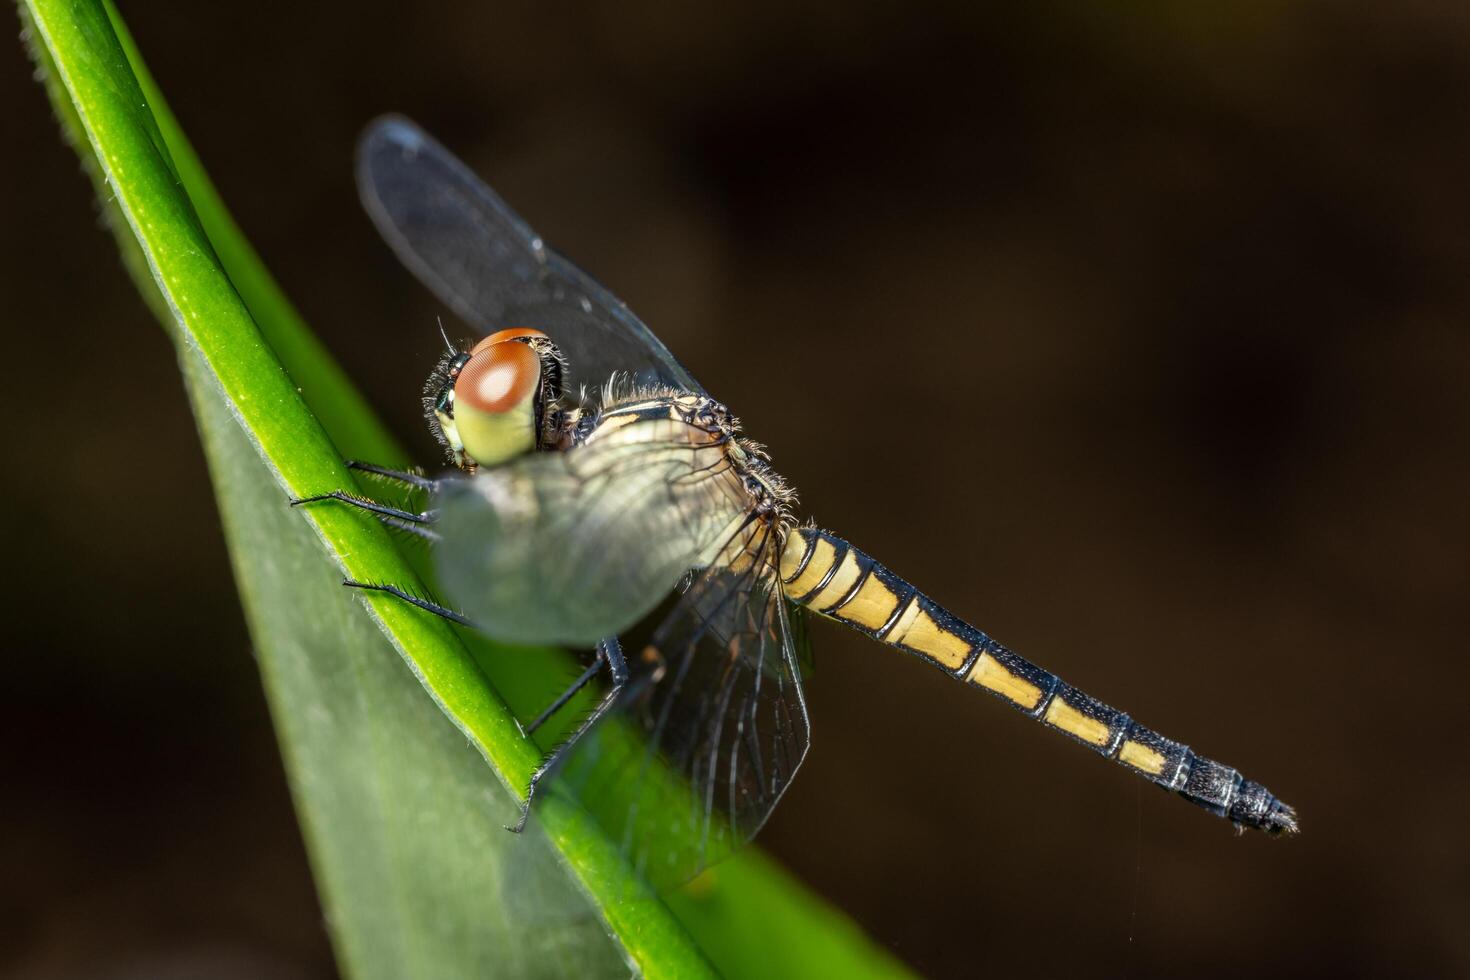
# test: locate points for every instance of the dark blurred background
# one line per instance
(1137, 337)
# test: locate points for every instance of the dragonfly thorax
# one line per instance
(696, 420)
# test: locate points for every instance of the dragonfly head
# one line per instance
(487, 404)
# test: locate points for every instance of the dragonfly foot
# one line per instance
(520, 824)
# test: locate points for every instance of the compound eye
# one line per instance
(497, 378)
(500, 336)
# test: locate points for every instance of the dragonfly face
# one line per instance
(644, 491)
(489, 404)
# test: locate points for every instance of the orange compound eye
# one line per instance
(500, 336)
(498, 377)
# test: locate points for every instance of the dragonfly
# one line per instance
(595, 484)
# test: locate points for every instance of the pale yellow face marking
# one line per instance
(924, 635)
(822, 559)
(873, 605)
(494, 437)
(795, 550)
(1062, 715)
(1140, 756)
(989, 674)
(842, 582)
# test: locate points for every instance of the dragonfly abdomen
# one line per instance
(831, 577)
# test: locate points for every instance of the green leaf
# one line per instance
(402, 815)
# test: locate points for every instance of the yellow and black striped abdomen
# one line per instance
(831, 577)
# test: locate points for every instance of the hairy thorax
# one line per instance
(740, 495)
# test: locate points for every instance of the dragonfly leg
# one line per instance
(566, 695)
(612, 653)
(443, 612)
(382, 510)
(407, 477)
(413, 522)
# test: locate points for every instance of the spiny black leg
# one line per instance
(610, 651)
(423, 517)
(413, 600)
(566, 695)
(399, 476)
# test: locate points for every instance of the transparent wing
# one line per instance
(567, 548)
(713, 724)
(483, 261)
